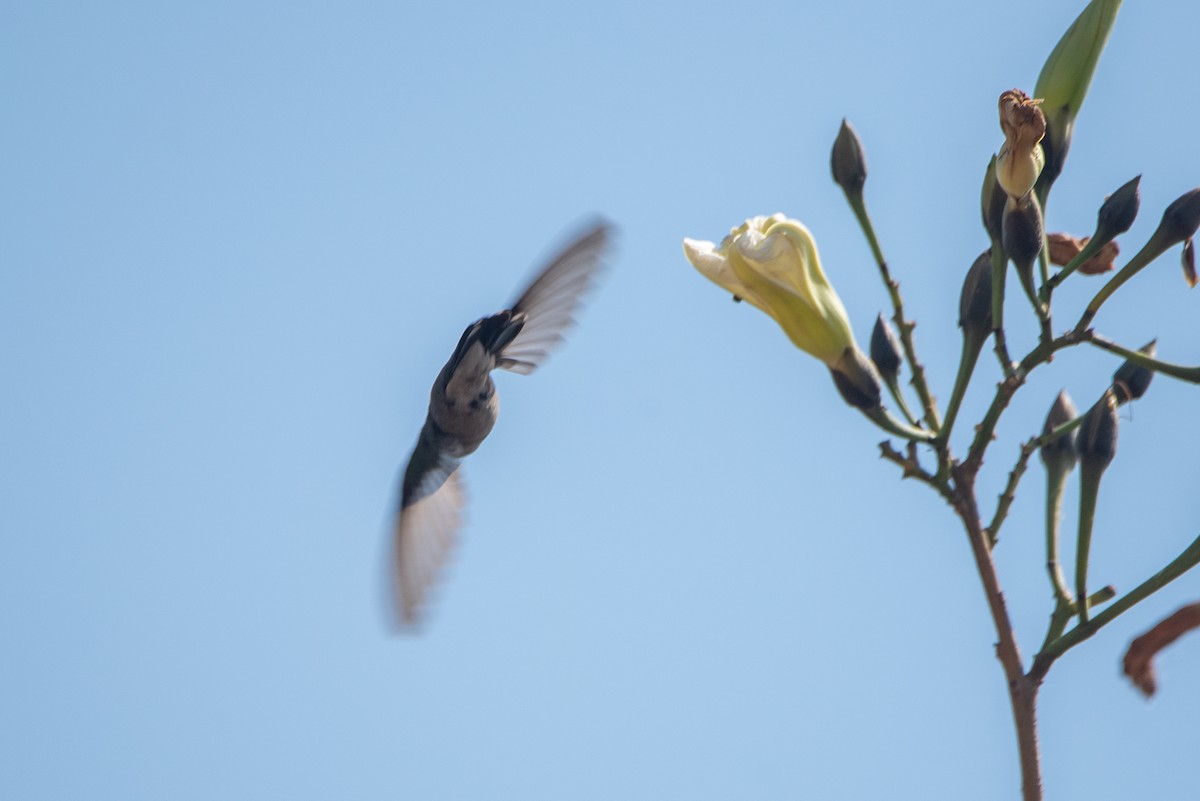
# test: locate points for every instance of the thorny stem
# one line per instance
(1022, 690)
(903, 326)
(1010, 493)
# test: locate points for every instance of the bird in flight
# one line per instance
(463, 407)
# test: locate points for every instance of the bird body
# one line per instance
(463, 406)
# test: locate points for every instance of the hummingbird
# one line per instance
(463, 407)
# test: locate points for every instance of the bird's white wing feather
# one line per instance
(551, 299)
(426, 533)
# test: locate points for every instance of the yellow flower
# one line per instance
(772, 263)
(1021, 159)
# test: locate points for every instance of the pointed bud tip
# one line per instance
(848, 161)
(885, 350)
(1059, 454)
(1119, 210)
(1182, 218)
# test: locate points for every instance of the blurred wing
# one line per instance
(426, 533)
(548, 303)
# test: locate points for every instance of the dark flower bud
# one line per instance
(1059, 454)
(848, 161)
(1023, 232)
(1131, 380)
(1181, 219)
(992, 204)
(975, 302)
(885, 350)
(1097, 440)
(1189, 262)
(856, 380)
(1119, 210)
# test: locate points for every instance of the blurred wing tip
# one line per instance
(426, 535)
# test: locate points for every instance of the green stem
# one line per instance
(1010, 493)
(881, 417)
(1055, 483)
(1056, 432)
(999, 274)
(1025, 273)
(1090, 249)
(1191, 374)
(898, 396)
(1178, 566)
(1089, 489)
(1157, 245)
(971, 347)
(903, 326)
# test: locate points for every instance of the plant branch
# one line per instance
(1178, 566)
(1190, 374)
(903, 326)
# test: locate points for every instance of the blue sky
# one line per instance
(239, 241)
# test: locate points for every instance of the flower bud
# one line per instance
(1119, 210)
(1097, 440)
(1021, 159)
(885, 350)
(1064, 80)
(1023, 232)
(848, 161)
(975, 302)
(1181, 219)
(1059, 454)
(1131, 380)
(856, 380)
(992, 203)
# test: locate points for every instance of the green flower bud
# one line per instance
(1059, 454)
(885, 350)
(1065, 78)
(975, 302)
(1097, 440)
(1118, 211)
(1131, 380)
(848, 161)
